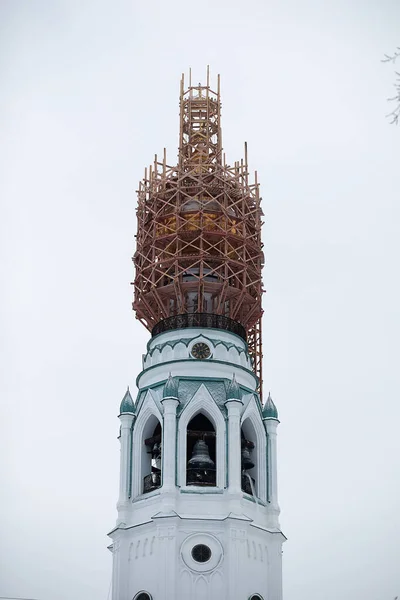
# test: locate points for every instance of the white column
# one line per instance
(271, 426)
(169, 443)
(234, 446)
(125, 458)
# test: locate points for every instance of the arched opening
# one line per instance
(249, 458)
(142, 596)
(201, 452)
(151, 455)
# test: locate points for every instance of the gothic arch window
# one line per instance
(249, 459)
(151, 463)
(202, 402)
(201, 452)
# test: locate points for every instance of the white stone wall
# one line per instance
(155, 532)
(157, 558)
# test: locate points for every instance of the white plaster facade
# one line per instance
(156, 531)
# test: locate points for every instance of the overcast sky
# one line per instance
(88, 93)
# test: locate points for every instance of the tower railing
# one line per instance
(206, 320)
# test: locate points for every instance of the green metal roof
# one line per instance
(270, 411)
(127, 405)
(233, 389)
(171, 387)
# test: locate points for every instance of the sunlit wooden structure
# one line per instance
(199, 254)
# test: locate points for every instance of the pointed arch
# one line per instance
(253, 429)
(155, 357)
(167, 353)
(148, 418)
(200, 588)
(201, 438)
(202, 402)
(217, 584)
(186, 584)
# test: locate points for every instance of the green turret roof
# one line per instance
(127, 405)
(171, 387)
(270, 411)
(233, 390)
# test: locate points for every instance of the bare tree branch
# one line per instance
(392, 58)
(394, 115)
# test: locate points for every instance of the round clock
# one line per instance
(201, 350)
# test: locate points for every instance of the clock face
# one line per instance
(201, 350)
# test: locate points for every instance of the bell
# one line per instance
(247, 463)
(156, 455)
(156, 450)
(201, 457)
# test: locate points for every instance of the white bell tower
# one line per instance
(198, 513)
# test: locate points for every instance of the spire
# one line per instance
(270, 411)
(171, 387)
(184, 275)
(127, 405)
(233, 389)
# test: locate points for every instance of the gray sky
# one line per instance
(88, 93)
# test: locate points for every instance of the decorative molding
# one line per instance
(167, 364)
(217, 552)
(190, 341)
(194, 332)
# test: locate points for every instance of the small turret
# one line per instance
(127, 405)
(171, 387)
(270, 411)
(233, 390)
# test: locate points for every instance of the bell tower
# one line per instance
(198, 514)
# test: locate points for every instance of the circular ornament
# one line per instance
(201, 552)
(201, 350)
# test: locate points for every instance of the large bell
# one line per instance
(156, 455)
(201, 457)
(247, 463)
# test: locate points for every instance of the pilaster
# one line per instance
(170, 405)
(234, 406)
(126, 420)
(271, 427)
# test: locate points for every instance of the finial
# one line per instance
(171, 387)
(233, 389)
(127, 405)
(270, 411)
